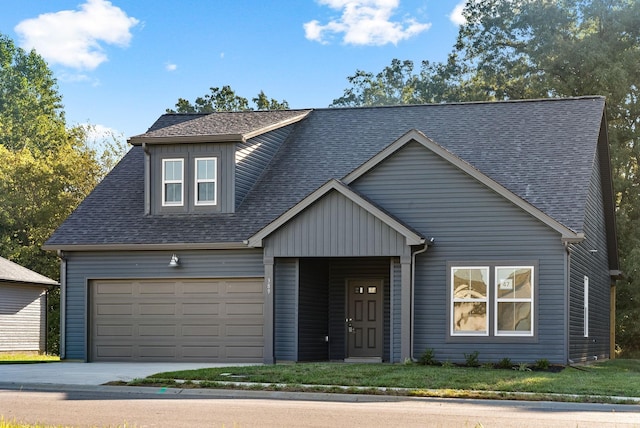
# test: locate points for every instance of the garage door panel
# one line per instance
(217, 320)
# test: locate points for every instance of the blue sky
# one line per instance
(121, 63)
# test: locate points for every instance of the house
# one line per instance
(356, 234)
(23, 308)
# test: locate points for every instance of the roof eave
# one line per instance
(147, 247)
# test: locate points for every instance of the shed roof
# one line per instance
(13, 272)
(542, 151)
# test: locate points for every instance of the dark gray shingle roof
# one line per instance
(541, 150)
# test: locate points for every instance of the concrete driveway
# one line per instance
(73, 373)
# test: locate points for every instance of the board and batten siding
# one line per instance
(335, 226)
(22, 317)
(224, 152)
(470, 223)
(286, 309)
(252, 158)
(85, 266)
(590, 259)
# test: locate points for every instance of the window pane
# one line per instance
(205, 169)
(173, 170)
(470, 283)
(514, 317)
(514, 283)
(206, 192)
(470, 317)
(173, 192)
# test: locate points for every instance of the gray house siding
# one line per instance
(84, 266)
(224, 152)
(253, 157)
(286, 309)
(395, 309)
(590, 259)
(22, 317)
(334, 226)
(470, 223)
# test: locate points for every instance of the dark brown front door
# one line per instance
(364, 318)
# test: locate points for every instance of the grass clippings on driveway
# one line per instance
(615, 378)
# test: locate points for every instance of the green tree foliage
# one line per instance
(515, 49)
(46, 169)
(225, 99)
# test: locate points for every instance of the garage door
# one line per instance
(218, 320)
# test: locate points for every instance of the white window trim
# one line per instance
(518, 300)
(165, 182)
(213, 180)
(586, 306)
(454, 300)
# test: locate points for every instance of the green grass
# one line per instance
(21, 358)
(609, 378)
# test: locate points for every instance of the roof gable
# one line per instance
(412, 237)
(419, 137)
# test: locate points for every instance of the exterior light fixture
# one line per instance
(174, 262)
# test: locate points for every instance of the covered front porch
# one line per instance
(338, 280)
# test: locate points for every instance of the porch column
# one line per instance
(268, 311)
(405, 308)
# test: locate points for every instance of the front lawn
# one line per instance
(609, 378)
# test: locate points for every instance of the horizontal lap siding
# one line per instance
(84, 266)
(469, 223)
(22, 318)
(252, 158)
(590, 258)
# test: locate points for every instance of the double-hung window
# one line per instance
(514, 301)
(172, 182)
(492, 300)
(205, 181)
(469, 286)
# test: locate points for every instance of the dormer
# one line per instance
(207, 163)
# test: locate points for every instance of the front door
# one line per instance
(364, 318)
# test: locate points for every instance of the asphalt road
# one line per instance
(158, 407)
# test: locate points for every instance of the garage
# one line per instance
(217, 320)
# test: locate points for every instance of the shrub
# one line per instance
(472, 359)
(505, 363)
(542, 364)
(428, 358)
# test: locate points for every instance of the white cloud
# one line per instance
(75, 38)
(456, 14)
(171, 67)
(364, 22)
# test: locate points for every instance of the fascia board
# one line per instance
(411, 237)
(419, 137)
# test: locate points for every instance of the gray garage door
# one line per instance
(218, 320)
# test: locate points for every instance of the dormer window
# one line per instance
(172, 182)
(205, 181)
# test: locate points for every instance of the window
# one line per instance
(586, 306)
(172, 182)
(514, 301)
(507, 304)
(469, 301)
(205, 181)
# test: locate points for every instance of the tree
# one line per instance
(31, 114)
(515, 49)
(225, 99)
(46, 169)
